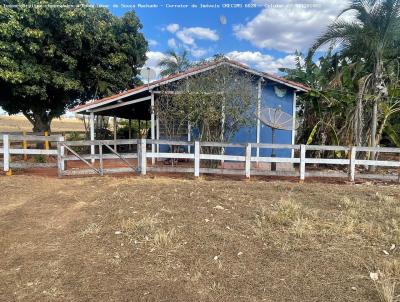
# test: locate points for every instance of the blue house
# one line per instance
(138, 103)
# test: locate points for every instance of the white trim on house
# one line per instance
(120, 104)
(259, 99)
(294, 120)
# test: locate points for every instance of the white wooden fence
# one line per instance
(142, 155)
(7, 149)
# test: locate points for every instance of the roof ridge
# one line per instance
(188, 71)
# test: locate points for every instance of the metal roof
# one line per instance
(192, 71)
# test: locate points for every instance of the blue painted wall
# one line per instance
(249, 134)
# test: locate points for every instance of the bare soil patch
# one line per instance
(164, 239)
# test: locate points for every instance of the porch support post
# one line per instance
(189, 135)
(129, 132)
(222, 129)
(152, 125)
(158, 134)
(258, 120)
(115, 133)
(294, 121)
(92, 147)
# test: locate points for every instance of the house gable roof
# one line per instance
(191, 71)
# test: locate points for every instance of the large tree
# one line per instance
(61, 53)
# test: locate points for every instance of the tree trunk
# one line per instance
(41, 125)
(359, 118)
(380, 92)
(40, 121)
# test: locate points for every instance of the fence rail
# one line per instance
(7, 149)
(138, 161)
(248, 159)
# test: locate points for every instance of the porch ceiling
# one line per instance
(124, 108)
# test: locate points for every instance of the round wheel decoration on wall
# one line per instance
(280, 92)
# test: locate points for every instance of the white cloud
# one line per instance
(190, 34)
(172, 43)
(288, 25)
(152, 42)
(172, 28)
(198, 52)
(153, 58)
(262, 62)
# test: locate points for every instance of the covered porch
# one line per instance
(138, 107)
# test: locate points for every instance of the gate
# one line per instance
(94, 161)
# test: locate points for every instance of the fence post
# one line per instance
(46, 142)
(62, 139)
(59, 159)
(248, 160)
(352, 163)
(6, 150)
(302, 162)
(196, 158)
(101, 167)
(142, 157)
(25, 146)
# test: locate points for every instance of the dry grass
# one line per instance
(141, 228)
(20, 123)
(91, 229)
(164, 239)
(142, 239)
(386, 279)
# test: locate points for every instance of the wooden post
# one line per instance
(25, 146)
(352, 163)
(46, 143)
(196, 158)
(101, 167)
(302, 162)
(248, 160)
(142, 158)
(129, 132)
(294, 121)
(59, 159)
(152, 125)
(189, 136)
(62, 151)
(115, 133)
(258, 120)
(6, 153)
(91, 124)
(158, 134)
(222, 130)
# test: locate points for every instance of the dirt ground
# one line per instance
(163, 239)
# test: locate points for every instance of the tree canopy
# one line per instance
(54, 57)
(173, 62)
(355, 89)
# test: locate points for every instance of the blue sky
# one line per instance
(264, 37)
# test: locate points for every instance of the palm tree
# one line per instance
(373, 39)
(174, 62)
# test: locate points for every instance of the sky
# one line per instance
(263, 34)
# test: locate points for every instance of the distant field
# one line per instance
(20, 123)
(161, 239)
